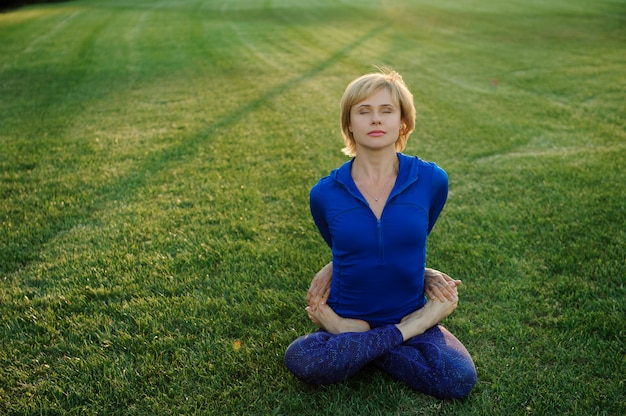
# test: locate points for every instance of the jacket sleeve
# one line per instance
(316, 203)
(439, 195)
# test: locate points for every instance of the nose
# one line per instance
(376, 118)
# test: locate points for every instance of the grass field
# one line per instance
(155, 163)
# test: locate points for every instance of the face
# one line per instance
(376, 121)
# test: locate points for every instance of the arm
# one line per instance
(320, 285)
(317, 202)
(438, 285)
(439, 195)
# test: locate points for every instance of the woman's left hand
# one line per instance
(438, 285)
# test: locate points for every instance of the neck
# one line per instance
(375, 167)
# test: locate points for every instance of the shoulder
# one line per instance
(322, 186)
(420, 167)
(332, 180)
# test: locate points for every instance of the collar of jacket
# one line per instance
(408, 173)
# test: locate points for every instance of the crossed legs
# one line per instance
(417, 351)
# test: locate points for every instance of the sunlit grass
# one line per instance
(156, 244)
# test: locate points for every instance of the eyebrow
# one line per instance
(382, 105)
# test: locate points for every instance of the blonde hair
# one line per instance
(362, 88)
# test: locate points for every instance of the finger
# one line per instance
(314, 289)
(319, 290)
(314, 292)
(450, 292)
(435, 293)
(453, 282)
(452, 295)
(311, 300)
(449, 279)
(325, 296)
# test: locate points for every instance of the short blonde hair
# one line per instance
(365, 86)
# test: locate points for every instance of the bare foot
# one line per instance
(324, 317)
(425, 318)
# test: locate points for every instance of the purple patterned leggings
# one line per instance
(435, 362)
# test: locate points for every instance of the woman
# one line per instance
(375, 213)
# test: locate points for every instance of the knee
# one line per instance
(459, 383)
(295, 359)
(312, 363)
(298, 361)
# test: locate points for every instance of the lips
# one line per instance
(376, 133)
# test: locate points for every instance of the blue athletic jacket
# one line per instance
(378, 265)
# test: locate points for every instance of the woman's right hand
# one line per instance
(320, 287)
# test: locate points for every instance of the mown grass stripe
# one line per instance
(155, 240)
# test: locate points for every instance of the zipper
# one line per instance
(379, 226)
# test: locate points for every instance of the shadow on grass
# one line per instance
(8, 5)
(26, 252)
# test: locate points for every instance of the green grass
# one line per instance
(155, 240)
